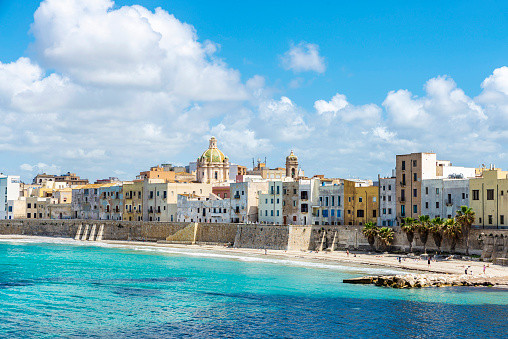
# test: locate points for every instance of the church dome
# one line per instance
(292, 157)
(213, 154)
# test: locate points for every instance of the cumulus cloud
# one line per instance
(41, 167)
(303, 57)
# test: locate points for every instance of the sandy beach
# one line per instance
(441, 266)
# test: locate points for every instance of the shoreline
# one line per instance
(374, 260)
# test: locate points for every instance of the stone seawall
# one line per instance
(490, 244)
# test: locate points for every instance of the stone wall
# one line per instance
(488, 243)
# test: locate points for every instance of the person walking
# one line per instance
(428, 261)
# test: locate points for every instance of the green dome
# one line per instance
(213, 154)
(292, 156)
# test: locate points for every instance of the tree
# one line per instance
(436, 228)
(465, 218)
(386, 234)
(409, 227)
(423, 225)
(370, 231)
(452, 230)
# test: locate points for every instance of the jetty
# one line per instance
(430, 280)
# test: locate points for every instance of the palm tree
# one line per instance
(452, 230)
(386, 234)
(436, 228)
(465, 218)
(409, 227)
(423, 229)
(370, 231)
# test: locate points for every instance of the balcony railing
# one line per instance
(402, 199)
(402, 183)
(236, 196)
(449, 203)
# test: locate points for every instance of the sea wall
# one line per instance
(490, 244)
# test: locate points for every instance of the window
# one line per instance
(389, 198)
(490, 219)
(389, 211)
(360, 199)
(338, 201)
(332, 212)
(403, 165)
(277, 213)
(414, 163)
(278, 190)
(384, 188)
(374, 213)
(359, 213)
(326, 201)
(384, 210)
(294, 203)
(271, 212)
(501, 193)
(325, 213)
(426, 190)
(476, 194)
(333, 200)
(266, 213)
(158, 193)
(402, 210)
(294, 191)
(415, 177)
(426, 204)
(349, 199)
(437, 191)
(338, 213)
(403, 179)
(165, 194)
(384, 197)
(266, 201)
(501, 219)
(490, 194)
(271, 201)
(374, 199)
(278, 201)
(28, 215)
(415, 192)
(415, 208)
(437, 204)
(389, 187)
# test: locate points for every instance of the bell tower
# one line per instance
(292, 166)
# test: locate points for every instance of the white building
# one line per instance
(211, 209)
(309, 197)
(443, 197)
(245, 200)
(330, 208)
(387, 202)
(9, 190)
(270, 204)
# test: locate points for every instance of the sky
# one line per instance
(110, 88)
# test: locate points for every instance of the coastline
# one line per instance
(374, 260)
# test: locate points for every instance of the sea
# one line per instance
(59, 288)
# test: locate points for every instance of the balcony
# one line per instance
(236, 196)
(402, 184)
(402, 199)
(449, 203)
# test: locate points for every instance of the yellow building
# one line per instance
(360, 202)
(488, 197)
(133, 201)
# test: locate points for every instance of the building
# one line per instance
(210, 209)
(71, 179)
(360, 202)
(213, 165)
(163, 172)
(290, 202)
(270, 204)
(43, 178)
(387, 202)
(489, 198)
(9, 190)
(266, 173)
(329, 208)
(292, 165)
(443, 197)
(309, 196)
(160, 199)
(86, 201)
(245, 200)
(133, 200)
(111, 202)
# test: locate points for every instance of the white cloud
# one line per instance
(340, 108)
(303, 57)
(41, 167)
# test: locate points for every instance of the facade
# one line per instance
(160, 199)
(71, 179)
(211, 209)
(290, 202)
(360, 202)
(163, 172)
(213, 165)
(86, 201)
(50, 208)
(270, 204)
(387, 202)
(111, 202)
(443, 197)
(309, 196)
(266, 173)
(329, 208)
(488, 197)
(9, 190)
(244, 200)
(133, 200)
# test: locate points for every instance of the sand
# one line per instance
(451, 266)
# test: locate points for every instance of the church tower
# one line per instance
(292, 166)
(212, 165)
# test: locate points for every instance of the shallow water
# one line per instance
(78, 289)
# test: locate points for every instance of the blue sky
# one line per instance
(365, 51)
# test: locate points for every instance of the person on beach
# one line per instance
(347, 253)
(484, 269)
(400, 260)
(428, 261)
(265, 251)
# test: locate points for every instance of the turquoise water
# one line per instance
(77, 289)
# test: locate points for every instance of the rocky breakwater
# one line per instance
(429, 280)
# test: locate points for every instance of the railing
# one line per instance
(402, 183)
(402, 199)
(449, 203)
(236, 196)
